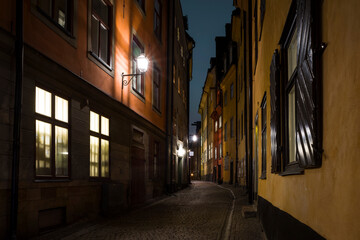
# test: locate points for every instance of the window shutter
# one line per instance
(308, 115)
(275, 132)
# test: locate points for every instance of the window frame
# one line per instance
(134, 90)
(263, 136)
(289, 168)
(69, 35)
(100, 136)
(142, 5)
(107, 67)
(158, 85)
(53, 122)
(158, 20)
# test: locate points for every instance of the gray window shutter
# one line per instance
(308, 94)
(275, 132)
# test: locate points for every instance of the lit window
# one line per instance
(52, 153)
(99, 146)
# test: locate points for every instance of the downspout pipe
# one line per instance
(168, 131)
(172, 37)
(236, 121)
(251, 189)
(19, 65)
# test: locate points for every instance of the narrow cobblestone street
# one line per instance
(199, 212)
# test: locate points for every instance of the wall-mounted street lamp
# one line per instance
(142, 64)
(194, 138)
(181, 151)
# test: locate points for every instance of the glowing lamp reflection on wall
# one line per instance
(142, 64)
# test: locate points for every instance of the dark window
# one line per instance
(242, 125)
(156, 158)
(263, 138)
(157, 19)
(59, 11)
(232, 91)
(52, 135)
(232, 127)
(225, 132)
(141, 4)
(138, 83)
(225, 98)
(101, 19)
(156, 89)
(292, 91)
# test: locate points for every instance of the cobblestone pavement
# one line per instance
(199, 212)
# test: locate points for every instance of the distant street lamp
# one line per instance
(194, 138)
(142, 64)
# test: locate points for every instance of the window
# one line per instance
(141, 4)
(216, 156)
(52, 135)
(225, 98)
(156, 89)
(138, 82)
(99, 145)
(157, 19)
(220, 122)
(263, 138)
(295, 110)
(232, 91)
(101, 29)
(156, 158)
(216, 126)
(220, 150)
(232, 127)
(59, 11)
(225, 132)
(242, 125)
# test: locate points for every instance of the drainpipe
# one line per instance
(19, 54)
(251, 190)
(172, 31)
(236, 121)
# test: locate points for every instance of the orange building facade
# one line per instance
(90, 143)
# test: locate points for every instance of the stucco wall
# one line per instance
(326, 198)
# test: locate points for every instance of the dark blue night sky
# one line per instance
(207, 19)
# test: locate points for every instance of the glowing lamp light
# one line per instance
(142, 63)
(181, 152)
(194, 138)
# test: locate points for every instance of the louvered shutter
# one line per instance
(275, 132)
(308, 125)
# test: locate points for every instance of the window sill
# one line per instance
(263, 176)
(155, 109)
(46, 180)
(100, 63)
(292, 169)
(137, 94)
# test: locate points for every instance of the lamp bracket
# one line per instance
(126, 82)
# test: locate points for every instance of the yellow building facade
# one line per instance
(206, 106)
(228, 88)
(305, 115)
